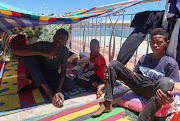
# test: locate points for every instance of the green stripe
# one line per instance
(35, 17)
(106, 115)
(12, 8)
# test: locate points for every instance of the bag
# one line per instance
(18, 40)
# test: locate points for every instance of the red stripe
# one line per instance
(53, 19)
(4, 36)
(72, 110)
(25, 98)
(16, 14)
(176, 89)
(2, 68)
(115, 117)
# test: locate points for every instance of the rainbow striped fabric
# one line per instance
(83, 112)
(11, 19)
(12, 77)
(5, 36)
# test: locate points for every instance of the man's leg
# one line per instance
(52, 78)
(153, 106)
(68, 85)
(33, 70)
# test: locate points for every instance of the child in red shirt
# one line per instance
(95, 75)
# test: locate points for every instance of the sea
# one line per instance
(103, 32)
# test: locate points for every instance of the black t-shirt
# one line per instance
(61, 57)
(154, 69)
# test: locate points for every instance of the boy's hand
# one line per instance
(58, 100)
(86, 66)
(164, 99)
(106, 75)
(99, 90)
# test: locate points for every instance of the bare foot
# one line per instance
(105, 107)
(99, 90)
(29, 86)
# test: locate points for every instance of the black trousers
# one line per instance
(140, 85)
(86, 79)
(36, 72)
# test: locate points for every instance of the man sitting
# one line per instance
(42, 61)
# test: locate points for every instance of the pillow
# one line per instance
(73, 58)
(80, 65)
(137, 103)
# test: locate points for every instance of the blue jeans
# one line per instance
(140, 85)
(36, 72)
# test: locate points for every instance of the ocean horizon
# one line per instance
(101, 32)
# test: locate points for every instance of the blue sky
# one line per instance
(62, 6)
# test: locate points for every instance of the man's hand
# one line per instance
(164, 99)
(58, 100)
(50, 55)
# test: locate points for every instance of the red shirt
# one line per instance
(99, 60)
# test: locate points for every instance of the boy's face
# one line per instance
(158, 44)
(94, 47)
(59, 40)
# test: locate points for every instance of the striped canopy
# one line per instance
(11, 17)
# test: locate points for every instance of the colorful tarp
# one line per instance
(10, 19)
(83, 112)
(12, 77)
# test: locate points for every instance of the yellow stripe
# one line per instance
(37, 96)
(43, 18)
(75, 19)
(3, 36)
(74, 92)
(77, 114)
(6, 12)
(6, 41)
(123, 119)
(81, 112)
(11, 101)
(116, 100)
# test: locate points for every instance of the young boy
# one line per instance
(95, 75)
(152, 78)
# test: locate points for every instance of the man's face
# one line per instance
(158, 44)
(59, 39)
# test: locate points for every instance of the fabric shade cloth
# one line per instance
(11, 17)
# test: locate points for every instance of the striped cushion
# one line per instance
(137, 103)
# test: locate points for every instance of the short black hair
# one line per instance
(95, 41)
(160, 31)
(62, 31)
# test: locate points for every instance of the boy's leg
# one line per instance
(131, 79)
(118, 70)
(87, 79)
(153, 106)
